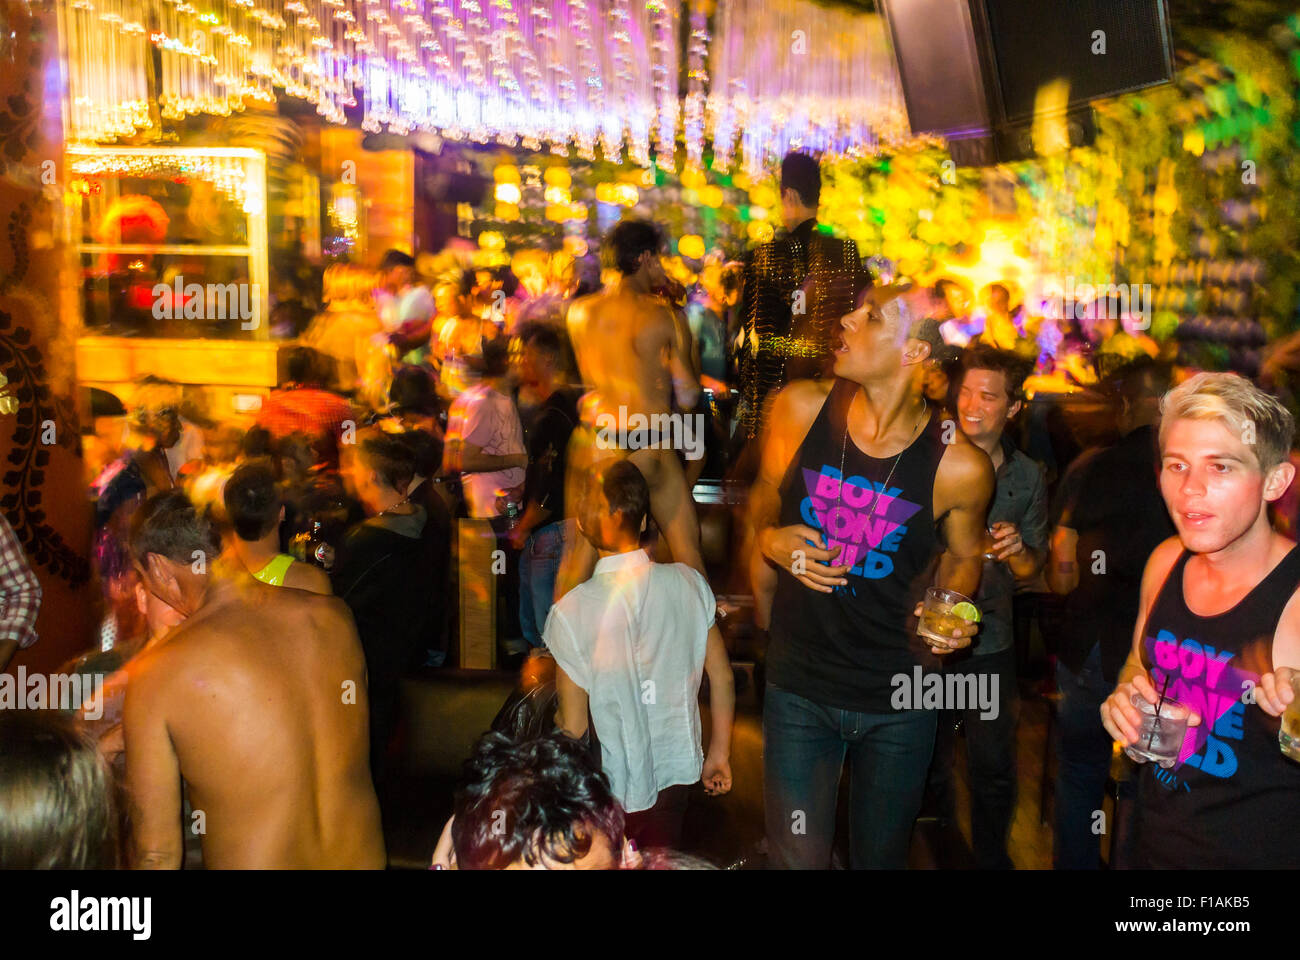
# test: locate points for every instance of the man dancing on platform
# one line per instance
(633, 350)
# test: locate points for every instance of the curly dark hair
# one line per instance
(528, 799)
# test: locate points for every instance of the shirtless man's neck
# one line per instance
(637, 283)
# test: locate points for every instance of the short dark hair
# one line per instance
(169, 525)
(252, 500)
(495, 361)
(629, 239)
(982, 356)
(545, 340)
(802, 173)
(554, 798)
(1141, 379)
(390, 458)
(412, 389)
(58, 806)
(396, 258)
(257, 442)
(426, 451)
(300, 365)
(627, 492)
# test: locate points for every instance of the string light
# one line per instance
(544, 73)
(793, 74)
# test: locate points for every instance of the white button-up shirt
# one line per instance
(633, 637)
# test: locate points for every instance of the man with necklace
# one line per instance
(854, 559)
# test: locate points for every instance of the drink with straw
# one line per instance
(943, 613)
(1160, 736)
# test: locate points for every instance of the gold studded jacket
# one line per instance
(795, 291)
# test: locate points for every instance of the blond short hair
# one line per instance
(1243, 408)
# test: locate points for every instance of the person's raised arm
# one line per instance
(153, 774)
(722, 711)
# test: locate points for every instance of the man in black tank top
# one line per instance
(853, 560)
(1218, 631)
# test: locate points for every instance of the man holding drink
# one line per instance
(1218, 633)
(861, 490)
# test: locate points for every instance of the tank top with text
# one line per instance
(1231, 798)
(842, 649)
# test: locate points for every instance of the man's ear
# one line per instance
(916, 351)
(162, 574)
(1277, 480)
(1015, 408)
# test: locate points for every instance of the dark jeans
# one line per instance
(661, 825)
(990, 758)
(539, 567)
(1083, 753)
(510, 640)
(804, 747)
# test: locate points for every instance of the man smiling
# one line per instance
(1218, 630)
(988, 396)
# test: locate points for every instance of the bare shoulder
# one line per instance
(154, 672)
(796, 406)
(964, 465)
(309, 577)
(1160, 562)
(323, 610)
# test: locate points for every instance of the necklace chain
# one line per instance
(844, 444)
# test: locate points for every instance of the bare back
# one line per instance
(627, 345)
(262, 697)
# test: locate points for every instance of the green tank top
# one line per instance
(273, 573)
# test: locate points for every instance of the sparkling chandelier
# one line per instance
(791, 74)
(531, 72)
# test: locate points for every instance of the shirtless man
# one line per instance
(258, 702)
(865, 497)
(633, 351)
(256, 510)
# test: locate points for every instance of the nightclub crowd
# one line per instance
(914, 501)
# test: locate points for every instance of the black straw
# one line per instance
(1156, 726)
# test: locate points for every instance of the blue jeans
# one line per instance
(1083, 752)
(804, 747)
(539, 567)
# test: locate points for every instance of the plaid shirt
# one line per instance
(315, 412)
(20, 591)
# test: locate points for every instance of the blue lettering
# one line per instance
(1228, 726)
(875, 566)
(808, 510)
(894, 540)
(1220, 760)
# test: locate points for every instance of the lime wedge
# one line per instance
(967, 611)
